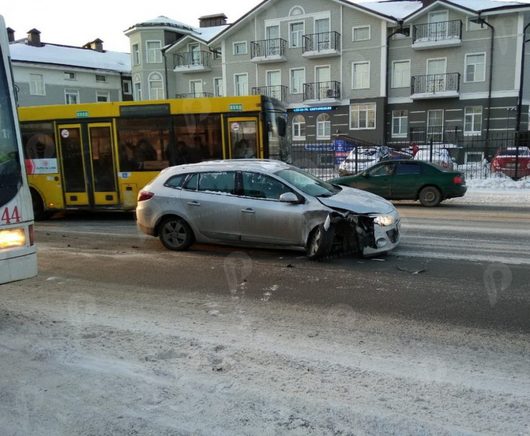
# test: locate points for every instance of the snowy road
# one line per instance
(477, 233)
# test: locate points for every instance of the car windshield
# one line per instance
(308, 183)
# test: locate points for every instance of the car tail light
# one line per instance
(458, 180)
(145, 195)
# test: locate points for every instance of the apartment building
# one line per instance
(46, 73)
(378, 71)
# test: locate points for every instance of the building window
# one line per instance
(241, 84)
(136, 54)
(361, 33)
(68, 75)
(361, 75)
(435, 124)
(100, 78)
(154, 54)
(156, 86)
(217, 53)
(240, 48)
(137, 90)
(218, 88)
(399, 124)
(471, 26)
(296, 31)
(362, 116)
(323, 126)
(36, 84)
(401, 74)
(102, 96)
(127, 87)
(472, 120)
(196, 88)
(296, 82)
(71, 96)
(298, 128)
(475, 67)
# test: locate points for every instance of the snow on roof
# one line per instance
(163, 21)
(207, 33)
(481, 5)
(71, 56)
(397, 9)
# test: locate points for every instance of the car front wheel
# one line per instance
(175, 233)
(430, 196)
(319, 242)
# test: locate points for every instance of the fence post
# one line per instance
(356, 158)
(430, 149)
(517, 155)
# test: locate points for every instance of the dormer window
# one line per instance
(68, 75)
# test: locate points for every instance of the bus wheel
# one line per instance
(175, 233)
(38, 207)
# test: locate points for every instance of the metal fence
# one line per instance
(469, 154)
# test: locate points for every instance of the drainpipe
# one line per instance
(165, 73)
(520, 96)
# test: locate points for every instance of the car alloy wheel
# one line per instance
(430, 196)
(175, 233)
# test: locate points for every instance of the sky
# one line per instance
(76, 22)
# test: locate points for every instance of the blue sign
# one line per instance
(313, 109)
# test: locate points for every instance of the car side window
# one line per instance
(217, 181)
(382, 170)
(407, 168)
(192, 182)
(175, 181)
(258, 185)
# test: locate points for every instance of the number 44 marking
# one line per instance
(10, 216)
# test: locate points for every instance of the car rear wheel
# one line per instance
(430, 196)
(319, 242)
(175, 233)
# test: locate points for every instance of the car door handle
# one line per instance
(194, 203)
(248, 210)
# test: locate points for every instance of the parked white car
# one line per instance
(440, 157)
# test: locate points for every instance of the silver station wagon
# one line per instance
(264, 203)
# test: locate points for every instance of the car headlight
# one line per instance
(384, 220)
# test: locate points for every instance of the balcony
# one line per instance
(322, 92)
(194, 95)
(268, 50)
(437, 35)
(433, 86)
(192, 62)
(320, 45)
(278, 92)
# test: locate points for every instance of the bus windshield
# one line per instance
(10, 171)
(276, 122)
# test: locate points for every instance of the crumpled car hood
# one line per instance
(358, 201)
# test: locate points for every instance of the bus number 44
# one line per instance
(10, 216)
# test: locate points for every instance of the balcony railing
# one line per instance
(194, 95)
(268, 49)
(321, 43)
(278, 92)
(322, 90)
(435, 85)
(193, 60)
(437, 33)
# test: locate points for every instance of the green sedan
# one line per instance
(408, 180)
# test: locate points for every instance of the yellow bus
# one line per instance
(99, 155)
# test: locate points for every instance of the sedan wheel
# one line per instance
(175, 234)
(319, 243)
(430, 196)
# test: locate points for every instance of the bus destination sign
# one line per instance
(81, 114)
(235, 107)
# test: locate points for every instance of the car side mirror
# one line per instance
(289, 197)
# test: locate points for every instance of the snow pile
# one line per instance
(498, 182)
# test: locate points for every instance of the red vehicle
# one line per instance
(505, 160)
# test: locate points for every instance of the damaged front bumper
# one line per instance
(361, 235)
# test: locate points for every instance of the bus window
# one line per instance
(142, 143)
(243, 137)
(40, 151)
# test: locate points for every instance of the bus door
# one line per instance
(88, 164)
(243, 138)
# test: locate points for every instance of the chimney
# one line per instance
(10, 34)
(212, 20)
(96, 45)
(34, 38)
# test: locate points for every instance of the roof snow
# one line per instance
(163, 21)
(397, 9)
(71, 56)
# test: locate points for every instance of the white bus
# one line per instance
(18, 258)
